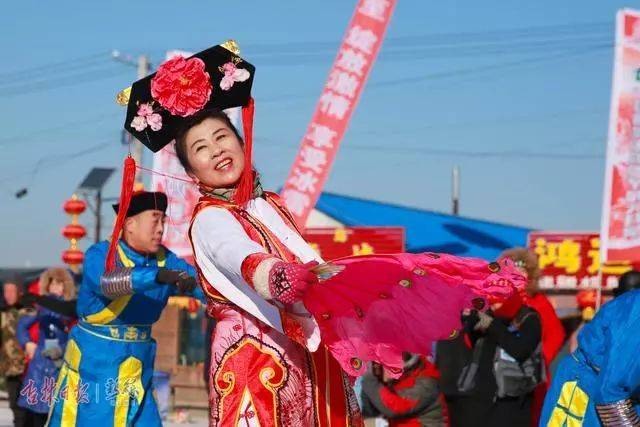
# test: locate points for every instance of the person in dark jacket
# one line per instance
(510, 330)
(45, 354)
(413, 400)
(12, 361)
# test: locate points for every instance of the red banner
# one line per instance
(621, 209)
(337, 102)
(332, 243)
(571, 261)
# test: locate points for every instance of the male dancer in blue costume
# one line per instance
(599, 383)
(108, 364)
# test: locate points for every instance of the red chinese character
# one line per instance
(30, 392)
(46, 392)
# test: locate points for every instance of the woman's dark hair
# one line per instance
(196, 119)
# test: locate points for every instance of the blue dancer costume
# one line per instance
(106, 378)
(599, 383)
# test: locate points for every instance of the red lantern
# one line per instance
(74, 232)
(74, 206)
(72, 257)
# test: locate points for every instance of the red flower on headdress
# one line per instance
(182, 86)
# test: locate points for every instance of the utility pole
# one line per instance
(93, 183)
(143, 71)
(98, 213)
(455, 191)
(144, 68)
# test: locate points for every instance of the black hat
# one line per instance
(157, 104)
(145, 201)
(627, 282)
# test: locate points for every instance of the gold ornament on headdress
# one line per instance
(122, 98)
(231, 46)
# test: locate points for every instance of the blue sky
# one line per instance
(515, 93)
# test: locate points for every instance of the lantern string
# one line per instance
(166, 175)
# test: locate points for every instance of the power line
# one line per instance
(18, 77)
(469, 73)
(54, 67)
(58, 160)
(64, 81)
(91, 120)
(548, 31)
(509, 154)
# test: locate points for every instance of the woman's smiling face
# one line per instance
(214, 153)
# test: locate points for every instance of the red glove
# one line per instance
(289, 281)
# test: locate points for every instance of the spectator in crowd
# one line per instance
(586, 302)
(46, 354)
(553, 333)
(12, 362)
(413, 400)
(598, 383)
(628, 282)
(489, 374)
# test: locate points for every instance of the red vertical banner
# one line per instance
(336, 105)
(620, 231)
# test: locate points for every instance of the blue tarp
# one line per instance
(427, 231)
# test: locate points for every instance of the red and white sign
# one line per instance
(571, 261)
(621, 208)
(337, 102)
(332, 243)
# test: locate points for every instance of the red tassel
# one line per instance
(126, 191)
(244, 190)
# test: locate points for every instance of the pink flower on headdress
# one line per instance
(139, 123)
(147, 117)
(145, 110)
(232, 74)
(155, 121)
(182, 86)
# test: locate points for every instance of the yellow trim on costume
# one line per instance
(571, 406)
(72, 358)
(109, 338)
(129, 385)
(117, 306)
(110, 312)
(327, 386)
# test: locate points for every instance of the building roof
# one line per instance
(427, 231)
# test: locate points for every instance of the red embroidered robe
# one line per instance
(260, 376)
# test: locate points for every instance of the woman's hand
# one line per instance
(288, 282)
(30, 349)
(474, 320)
